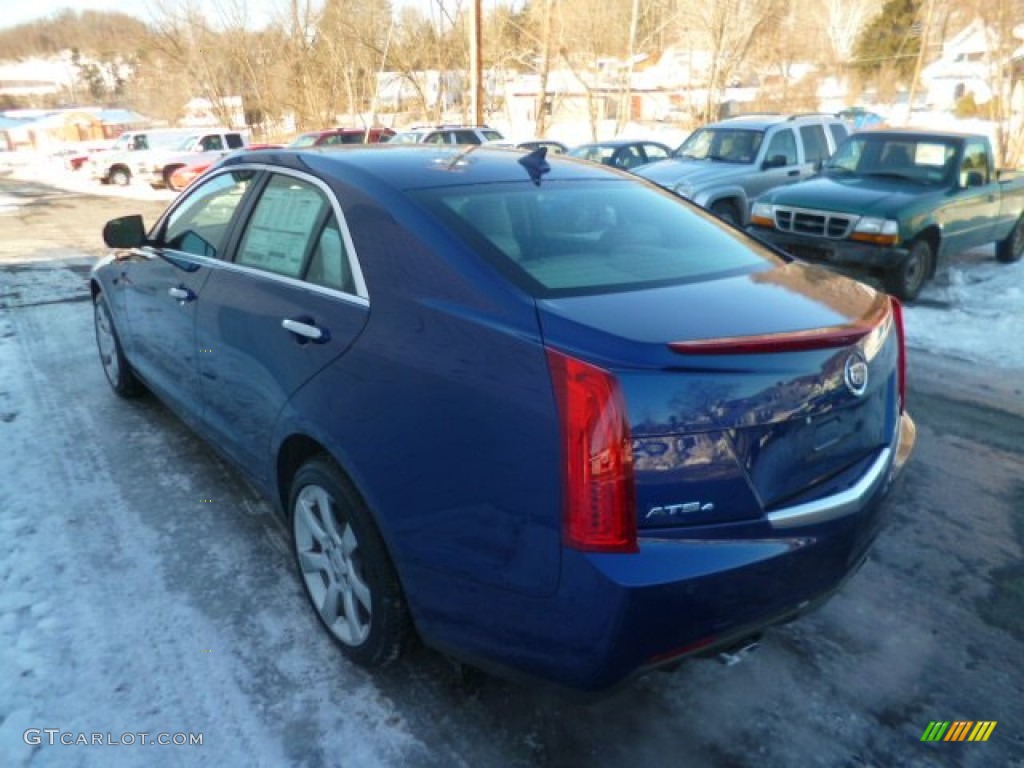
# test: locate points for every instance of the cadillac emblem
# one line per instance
(856, 374)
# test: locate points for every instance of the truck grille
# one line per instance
(815, 223)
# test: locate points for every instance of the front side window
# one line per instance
(235, 141)
(211, 143)
(466, 137)
(574, 238)
(782, 144)
(199, 225)
(282, 230)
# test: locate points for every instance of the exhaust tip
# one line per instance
(737, 652)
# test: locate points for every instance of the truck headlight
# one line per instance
(871, 229)
(762, 215)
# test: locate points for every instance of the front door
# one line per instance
(163, 283)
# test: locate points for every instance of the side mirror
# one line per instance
(975, 179)
(125, 232)
(775, 161)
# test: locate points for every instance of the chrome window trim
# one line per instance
(230, 266)
(361, 296)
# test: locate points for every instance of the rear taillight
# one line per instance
(901, 365)
(600, 503)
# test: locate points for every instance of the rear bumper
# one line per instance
(685, 592)
(844, 255)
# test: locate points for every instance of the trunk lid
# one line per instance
(743, 394)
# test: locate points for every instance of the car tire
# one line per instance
(906, 282)
(727, 212)
(1011, 248)
(345, 567)
(115, 366)
(120, 176)
(168, 172)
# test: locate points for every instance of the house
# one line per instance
(966, 66)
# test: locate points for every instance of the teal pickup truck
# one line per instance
(897, 204)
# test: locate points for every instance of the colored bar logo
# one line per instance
(959, 730)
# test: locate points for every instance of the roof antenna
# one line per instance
(536, 164)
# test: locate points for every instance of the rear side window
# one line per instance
(574, 238)
(466, 137)
(283, 227)
(815, 144)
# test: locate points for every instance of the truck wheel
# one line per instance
(727, 212)
(906, 282)
(1012, 247)
(120, 176)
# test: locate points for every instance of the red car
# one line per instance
(333, 136)
(189, 172)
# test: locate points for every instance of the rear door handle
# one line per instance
(793, 173)
(305, 330)
(180, 293)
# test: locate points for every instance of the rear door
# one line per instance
(292, 300)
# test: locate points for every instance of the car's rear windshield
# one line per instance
(584, 237)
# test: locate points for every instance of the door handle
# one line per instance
(793, 173)
(305, 330)
(181, 294)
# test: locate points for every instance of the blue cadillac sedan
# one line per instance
(549, 418)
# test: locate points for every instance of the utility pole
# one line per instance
(476, 80)
(922, 51)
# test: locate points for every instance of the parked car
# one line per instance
(113, 165)
(626, 154)
(724, 166)
(897, 204)
(186, 174)
(334, 136)
(861, 118)
(552, 146)
(447, 134)
(557, 421)
(157, 166)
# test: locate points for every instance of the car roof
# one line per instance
(917, 133)
(418, 166)
(619, 143)
(762, 121)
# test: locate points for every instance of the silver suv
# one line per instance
(447, 134)
(724, 166)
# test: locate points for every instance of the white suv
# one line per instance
(446, 134)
